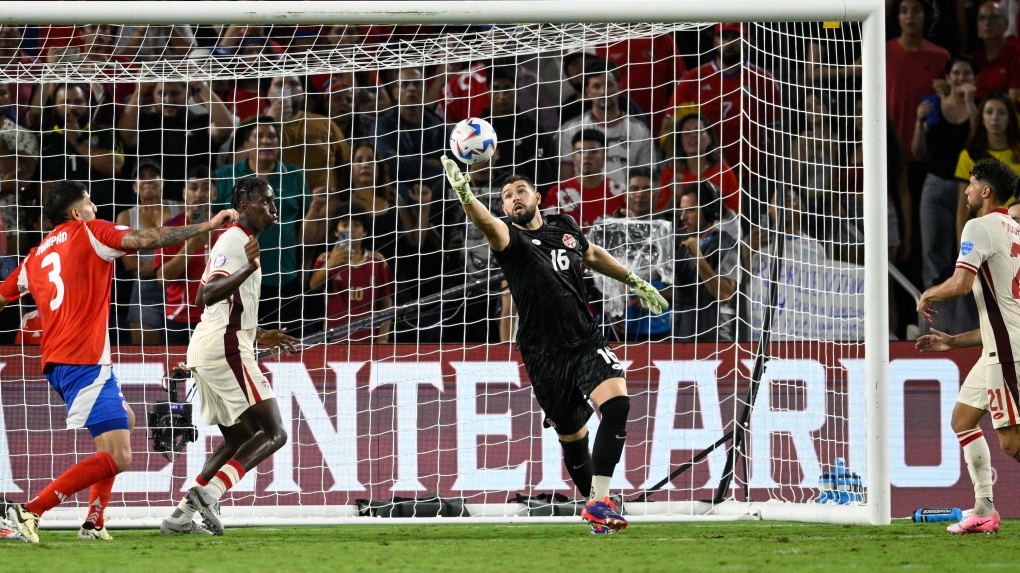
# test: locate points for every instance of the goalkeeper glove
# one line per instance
(650, 298)
(457, 181)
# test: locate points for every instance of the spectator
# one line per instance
(525, 149)
(995, 134)
(180, 269)
(311, 141)
(12, 55)
(73, 148)
(941, 134)
(357, 280)
(640, 195)
(155, 42)
(739, 99)
(467, 93)
(372, 190)
(694, 155)
(998, 58)
(19, 160)
(146, 313)
(482, 308)
(575, 67)
(786, 209)
(706, 271)
(814, 152)
(428, 260)
(340, 103)
(628, 140)
(591, 195)
(179, 135)
(649, 68)
(280, 244)
(412, 136)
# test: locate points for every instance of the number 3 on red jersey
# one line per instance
(54, 276)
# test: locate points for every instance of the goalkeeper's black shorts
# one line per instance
(562, 382)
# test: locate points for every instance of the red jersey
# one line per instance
(182, 291)
(721, 175)
(465, 95)
(587, 205)
(649, 68)
(908, 77)
(70, 274)
(354, 291)
(720, 97)
(1000, 74)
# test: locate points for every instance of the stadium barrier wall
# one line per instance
(373, 423)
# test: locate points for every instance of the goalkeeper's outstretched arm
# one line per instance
(600, 261)
(495, 231)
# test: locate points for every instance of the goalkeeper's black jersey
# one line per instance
(543, 269)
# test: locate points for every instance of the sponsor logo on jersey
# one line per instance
(536, 241)
(569, 241)
(998, 416)
(121, 227)
(966, 247)
(220, 260)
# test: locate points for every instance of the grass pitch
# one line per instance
(545, 548)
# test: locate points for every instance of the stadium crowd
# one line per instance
(723, 147)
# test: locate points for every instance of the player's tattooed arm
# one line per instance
(222, 287)
(163, 236)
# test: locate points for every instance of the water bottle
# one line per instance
(938, 514)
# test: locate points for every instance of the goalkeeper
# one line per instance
(565, 354)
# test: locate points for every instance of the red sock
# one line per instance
(99, 498)
(78, 477)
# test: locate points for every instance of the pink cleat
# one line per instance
(988, 524)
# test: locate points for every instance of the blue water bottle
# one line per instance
(938, 514)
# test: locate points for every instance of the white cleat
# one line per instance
(26, 522)
(207, 507)
(88, 531)
(8, 532)
(190, 528)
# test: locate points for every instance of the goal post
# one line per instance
(416, 414)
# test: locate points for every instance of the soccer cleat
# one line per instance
(599, 529)
(207, 507)
(189, 528)
(26, 522)
(604, 513)
(88, 531)
(8, 531)
(974, 524)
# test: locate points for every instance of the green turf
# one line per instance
(543, 548)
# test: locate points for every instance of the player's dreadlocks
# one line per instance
(243, 189)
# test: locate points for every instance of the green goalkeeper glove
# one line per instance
(457, 181)
(649, 297)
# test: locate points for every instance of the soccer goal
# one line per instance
(763, 394)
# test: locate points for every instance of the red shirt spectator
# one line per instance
(355, 291)
(721, 175)
(649, 68)
(182, 292)
(587, 205)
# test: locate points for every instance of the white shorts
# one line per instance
(228, 387)
(993, 388)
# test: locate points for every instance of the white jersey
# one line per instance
(227, 327)
(990, 248)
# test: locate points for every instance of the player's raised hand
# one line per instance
(277, 340)
(648, 295)
(457, 180)
(937, 341)
(222, 218)
(251, 250)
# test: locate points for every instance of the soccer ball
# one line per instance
(473, 140)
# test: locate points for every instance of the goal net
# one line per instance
(725, 163)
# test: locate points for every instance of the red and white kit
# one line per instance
(221, 354)
(990, 248)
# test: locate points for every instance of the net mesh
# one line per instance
(689, 151)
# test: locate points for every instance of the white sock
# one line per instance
(229, 474)
(600, 487)
(184, 511)
(979, 465)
